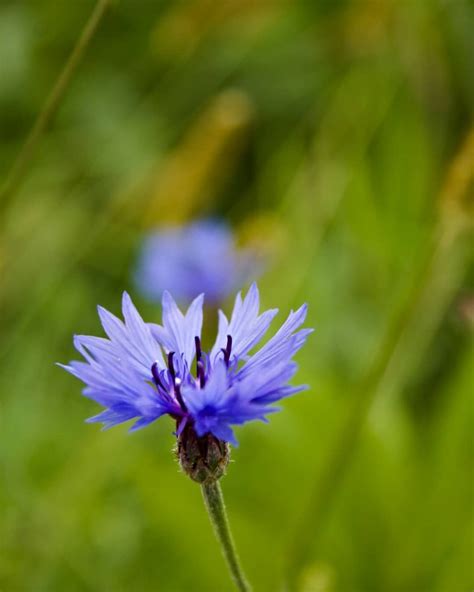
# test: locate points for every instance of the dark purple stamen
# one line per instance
(228, 349)
(171, 365)
(199, 364)
(156, 376)
(197, 341)
(176, 382)
(200, 373)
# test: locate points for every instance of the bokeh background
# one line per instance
(335, 136)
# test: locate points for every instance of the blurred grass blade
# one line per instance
(189, 178)
(457, 195)
(17, 172)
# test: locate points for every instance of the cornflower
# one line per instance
(144, 371)
(198, 257)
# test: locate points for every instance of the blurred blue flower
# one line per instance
(143, 371)
(188, 260)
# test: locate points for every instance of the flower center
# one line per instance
(200, 370)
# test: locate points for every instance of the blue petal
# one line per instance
(246, 326)
(134, 341)
(282, 346)
(219, 429)
(219, 405)
(141, 423)
(139, 332)
(179, 331)
(114, 416)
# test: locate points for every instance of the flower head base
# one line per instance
(198, 257)
(204, 458)
(143, 371)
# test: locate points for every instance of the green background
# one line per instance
(333, 135)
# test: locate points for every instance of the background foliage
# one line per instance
(332, 135)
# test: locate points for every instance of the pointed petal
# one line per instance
(179, 331)
(140, 332)
(246, 326)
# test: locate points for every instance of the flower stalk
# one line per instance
(214, 502)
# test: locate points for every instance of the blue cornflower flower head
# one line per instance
(144, 371)
(194, 258)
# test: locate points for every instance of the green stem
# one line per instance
(215, 506)
(15, 176)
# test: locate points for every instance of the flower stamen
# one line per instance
(156, 376)
(227, 350)
(197, 341)
(176, 382)
(201, 374)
